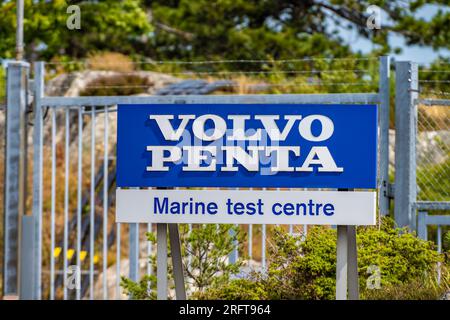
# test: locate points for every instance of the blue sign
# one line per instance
(248, 145)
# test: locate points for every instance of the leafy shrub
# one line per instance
(446, 247)
(416, 289)
(426, 186)
(205, 250)
(208, 247)
(306, 269)
(145, 289)
(236, 289)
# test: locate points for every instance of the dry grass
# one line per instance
(434, 118)
(110, 61)
(118, 85)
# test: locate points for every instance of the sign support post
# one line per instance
(177, 261)
(161, 260)
(346, 264)
(352, 264)
(341, 263)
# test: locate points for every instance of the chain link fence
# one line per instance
(433, 136)
(433, 153)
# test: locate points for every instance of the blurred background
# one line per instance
(139, 47)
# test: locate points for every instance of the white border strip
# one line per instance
(302, 207)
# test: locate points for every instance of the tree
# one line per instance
(205, 251)
(105, 25)
(255, 29)
(207, 29)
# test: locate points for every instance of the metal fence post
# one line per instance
(177, 261)
(384, 91)
(341, 263)
(161, 261)
(422, 225)
(232, 257)
(352, 267)
(26, 258)
(134, 251)
(39, 70)
(406, 88)
(15, 172)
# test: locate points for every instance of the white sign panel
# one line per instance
(246, 207)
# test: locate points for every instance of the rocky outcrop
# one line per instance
(431, 147)
(73, 84)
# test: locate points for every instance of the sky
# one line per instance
(422, 55)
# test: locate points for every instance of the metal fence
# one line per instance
(2, 154)
(73, 186)
(433, 154)
(433, 140)
(422, 177)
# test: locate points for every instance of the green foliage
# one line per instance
(447, 241)
(446, 247)
(199, 29)
(145, 289)
(302, 269)
(209, 247)
(416, 289)
(105, 25)
(242, 29)
(235, 289)
(435, 72)
(205, 251)
(253, 29)
(400, 255)
(306, 268)
(428, 188)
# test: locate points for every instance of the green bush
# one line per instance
(306, 269)
(236, 289)
(392, 264)
(417, 289)
(145, 289)
(205, 250)
(426, 175)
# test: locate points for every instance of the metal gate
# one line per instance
(73, 186)
(422, 164)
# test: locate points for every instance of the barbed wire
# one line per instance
(168, 62)
(190, 73)
(434, 71)
(264, 85)
(444, 93)
(226, 75)
(434, 64)
(434, 81)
